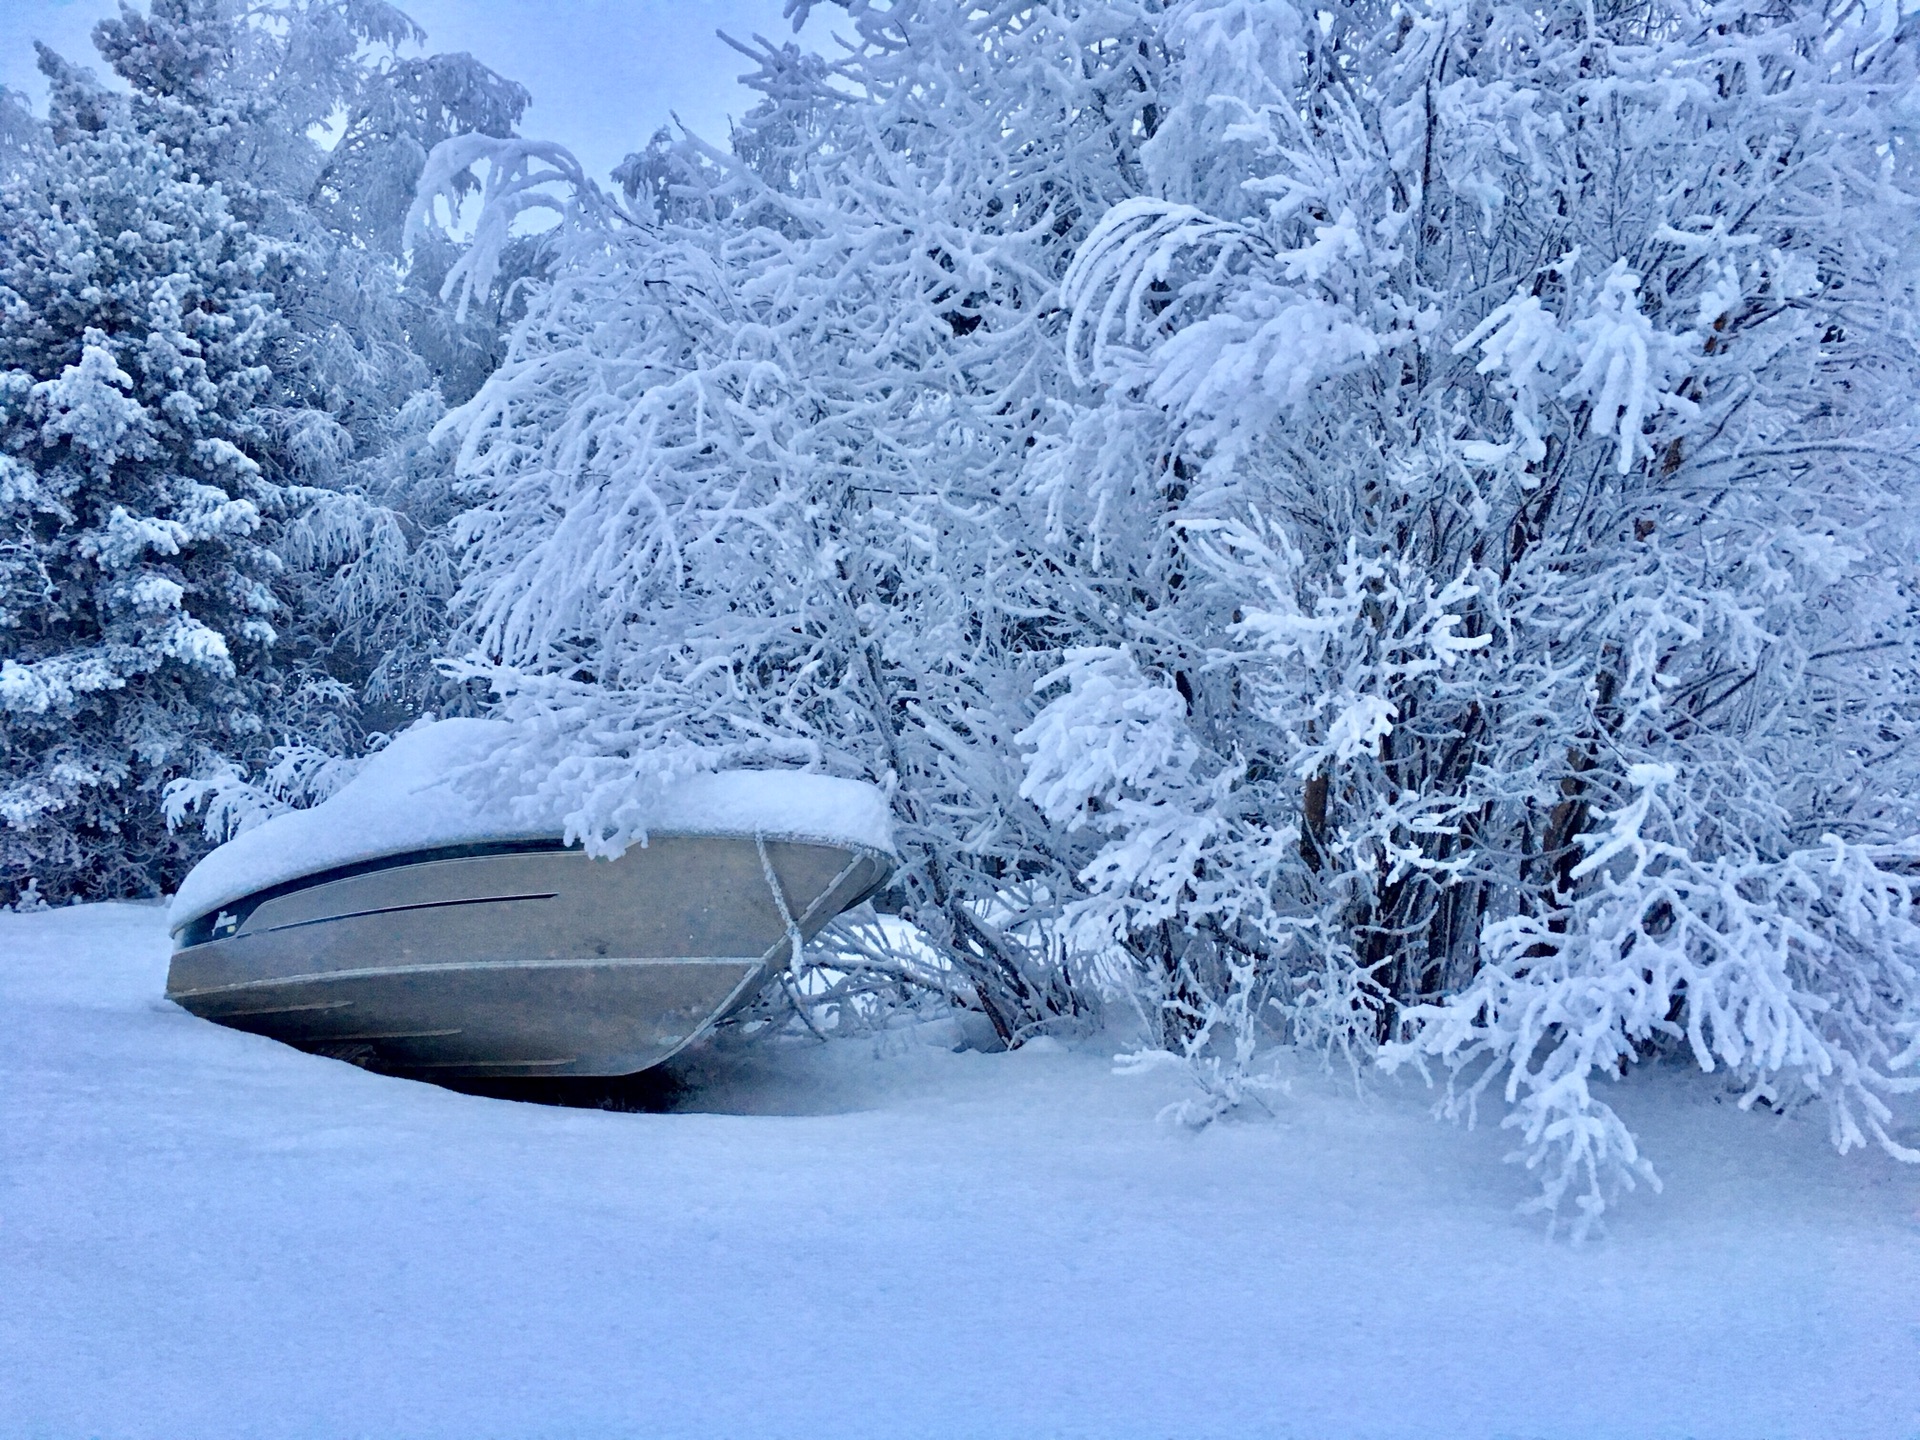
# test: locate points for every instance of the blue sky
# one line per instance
(604, 73)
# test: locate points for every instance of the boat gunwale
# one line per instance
(244, 905)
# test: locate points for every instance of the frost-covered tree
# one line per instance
(135, 579)
(1390, 528)
(21, 134)
(317, 125)
(751, 472)
(1507, 436)
(315, 122)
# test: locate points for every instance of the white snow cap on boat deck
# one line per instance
(403, 799)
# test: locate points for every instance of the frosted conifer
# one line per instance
(315, 121)
(135, 581)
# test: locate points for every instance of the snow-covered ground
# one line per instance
(206, 1234)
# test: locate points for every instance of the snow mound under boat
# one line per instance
(407, 923)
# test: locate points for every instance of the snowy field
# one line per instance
(206, 1234)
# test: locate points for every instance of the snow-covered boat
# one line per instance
(403, 923)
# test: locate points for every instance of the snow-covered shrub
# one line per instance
(1797, 975)
(750, 475)
(1277, 495)
(1508, 417)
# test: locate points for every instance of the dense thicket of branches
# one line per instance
(753, 467)
(1389, 528)
(1528, 426)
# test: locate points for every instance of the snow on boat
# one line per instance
(401, 924)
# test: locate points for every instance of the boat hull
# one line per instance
(518, 959)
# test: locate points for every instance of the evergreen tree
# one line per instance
(21, 135)
(136, 577)
(315, 124)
